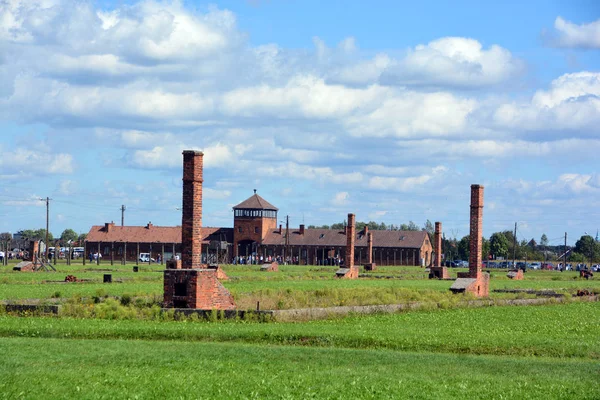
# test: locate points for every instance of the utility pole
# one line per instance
(565, 256)
(47, 200)
(122, 214)
(515, 247)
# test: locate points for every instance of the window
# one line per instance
(256, 229)
(239, 229)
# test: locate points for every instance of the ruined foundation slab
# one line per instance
(270, 267)
(479, 286)
(515, 274)
(347, 273)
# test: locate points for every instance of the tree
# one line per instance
(411, 226)
(485, 248)
(587, 247)
(499, 244)
(544, 240)
(83, 236)
(68, 235)
(5, 237)
(463, 248)
(428, 227)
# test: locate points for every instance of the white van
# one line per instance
(145, 257)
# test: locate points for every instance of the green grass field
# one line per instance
(536, 352)
(545, 352)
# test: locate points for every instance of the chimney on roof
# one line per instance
(149, 225)
(254, 191)
(108, 226)
(302, 229)
(280, 229)
(366, 230)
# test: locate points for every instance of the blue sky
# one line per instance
(389, 110)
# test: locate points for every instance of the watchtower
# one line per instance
(253, 218)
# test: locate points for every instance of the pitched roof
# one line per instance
(255, 202)
(152, 234)
(337, 238)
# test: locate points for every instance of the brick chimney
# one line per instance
(108, 226)
(302, 229)
(149, 225)
(349, 262)
(366, 230)
(191, 219)
(438, 244)
(476, 222)
(369, 247)
(280, 229)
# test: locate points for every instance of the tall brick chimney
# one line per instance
(191, 219)
(302, 229)
(369, 247)
(438, 244)
(349, 262)
(476, 222)
(193, 286)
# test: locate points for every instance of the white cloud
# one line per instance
(409, 114)
(303, 96)
(453, 61)
(584, 35)
(35, 162)
(216, 155)
(572, 103)
(31, 201)
(67, 187)
(340, 199)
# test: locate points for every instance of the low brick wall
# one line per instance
(31, 309)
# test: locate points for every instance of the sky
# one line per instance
(386, 109)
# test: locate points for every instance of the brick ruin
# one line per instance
(187, 282)
(270, 267)
(349, 271)
(370, 265)
(515, 274)
(474, 281)
(437, 271)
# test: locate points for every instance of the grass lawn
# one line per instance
(142, 369)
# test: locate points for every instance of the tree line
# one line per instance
(66, 237)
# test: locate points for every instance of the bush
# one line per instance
(125, 299)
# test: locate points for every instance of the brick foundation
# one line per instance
(196, 288)
(270, 267)
(347, 273)
(439, 273)
(515, 274)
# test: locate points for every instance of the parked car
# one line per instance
(535, 265)
(547, 266)
(145, 257)
(596, 268)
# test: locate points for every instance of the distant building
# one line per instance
(255, 233)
